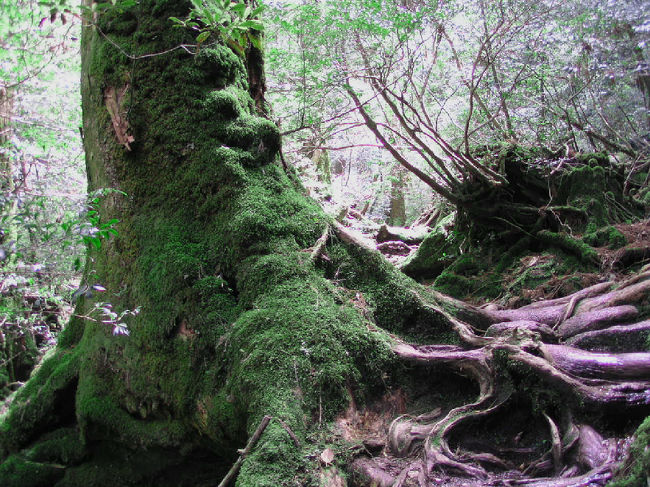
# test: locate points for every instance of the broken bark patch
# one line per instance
(114, 100)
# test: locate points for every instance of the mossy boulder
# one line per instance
(438, 250)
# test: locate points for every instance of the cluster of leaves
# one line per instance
(236, 23)
(120, 5)
(103, 312)
(95, 229)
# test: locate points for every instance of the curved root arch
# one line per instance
(585, 347)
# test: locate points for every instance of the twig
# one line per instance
(290, 433)
(10, 359)
(556, 443)
(242, 455)
(570, 308)
(320, 244)
(185, 47)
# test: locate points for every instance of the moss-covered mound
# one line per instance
(561, 207)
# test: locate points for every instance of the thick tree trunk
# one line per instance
(235, 322)
(397, 209)
(254, 305)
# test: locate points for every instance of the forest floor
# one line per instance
(637, 236)
(377, 427)
(372, 427)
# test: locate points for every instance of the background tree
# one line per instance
(465, 74)
(43, 188)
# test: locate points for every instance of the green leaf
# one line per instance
(252, 24)
(240, 8)
(202, 37)
(255, 41)
(258, 11)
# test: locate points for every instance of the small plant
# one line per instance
(103, 313)
(234, 22)
(96, 230)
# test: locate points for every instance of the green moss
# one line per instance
(608, 236)
(266, 272)
(41, 403)
(437, 250)
(72, 333)
(257, 136)
(225, 104)
(581, 250)
(16, 471)
(453, 284)
(63, 446)
(635, 472)
(466, 264)
(222, 65)
(100, 416)
(274, 456)
(597, 188)
(594, 159)
(298, 339)
(532, 277)
(513, 251)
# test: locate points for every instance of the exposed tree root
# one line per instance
(548, 342)
(614, 338)
(318, 248)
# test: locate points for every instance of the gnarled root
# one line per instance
(541, 341)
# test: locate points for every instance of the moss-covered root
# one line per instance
(46, 401)
(275, 460)
(295, 354)
(635, 472)
(581, 250)
(43, 464)
(17, 471)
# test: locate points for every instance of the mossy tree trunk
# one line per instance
(235, 321)
(252, 303)
(398, 187)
